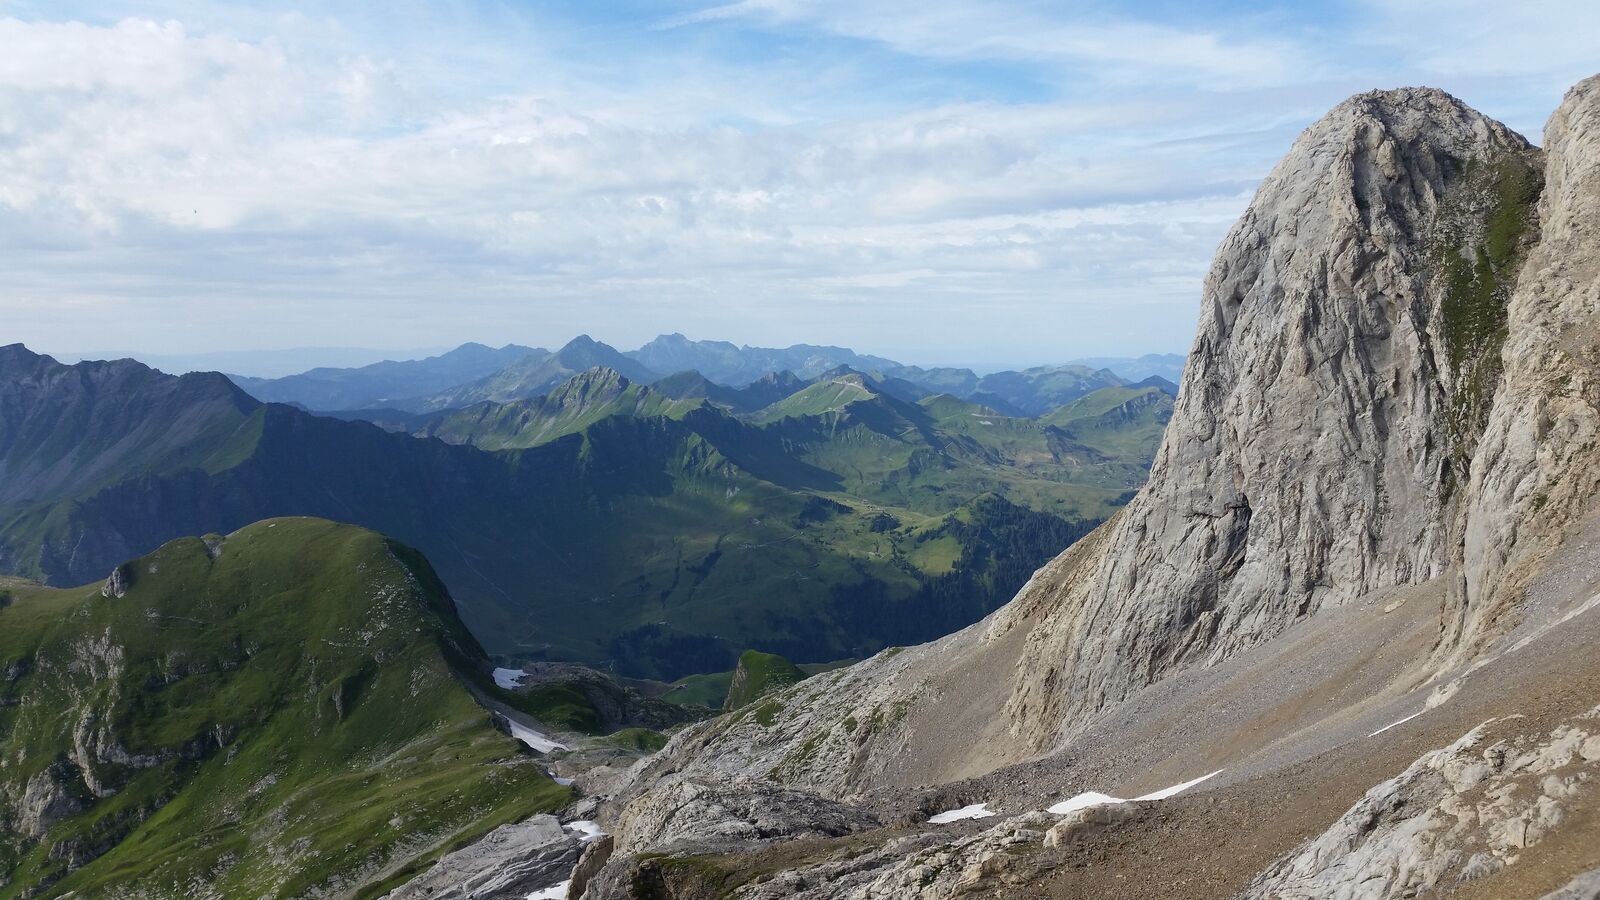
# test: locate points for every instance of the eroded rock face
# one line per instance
(1306, 462)
(509, 863)
(1583, 887)
(1309, 461)
(920, 866)
(689, 816)
(117, 585)
(595, 855)
(1538, 464)
(47, 799)
(682, 810)
(1456, 814)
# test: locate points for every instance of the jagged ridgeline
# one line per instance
(659, 530)
(284, 712)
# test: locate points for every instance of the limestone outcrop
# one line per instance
(1536, 467)
(509, 863)
(1457, 814)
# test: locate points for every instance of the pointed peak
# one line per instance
(1407, 115)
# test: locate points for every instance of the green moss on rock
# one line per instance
(1478, 253)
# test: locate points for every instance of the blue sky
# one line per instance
(937, 181)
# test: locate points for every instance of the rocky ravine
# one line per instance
(1364, 537)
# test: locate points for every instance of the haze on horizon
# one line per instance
(974, 183)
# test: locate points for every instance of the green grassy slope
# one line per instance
(1038, 390)
(279, 713)
(1117, 421)
(824, 396)
(757, 675)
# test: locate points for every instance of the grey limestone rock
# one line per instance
(1456, 814)
(508, 863)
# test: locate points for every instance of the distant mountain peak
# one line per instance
(15, 355)
(584, 347)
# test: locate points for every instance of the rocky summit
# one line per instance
(1339, 645)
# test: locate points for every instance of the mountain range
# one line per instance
(389, 381)
(606, 522)
(473, 373)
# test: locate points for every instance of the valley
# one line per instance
(607, 522)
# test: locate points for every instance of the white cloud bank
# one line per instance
(175, 187)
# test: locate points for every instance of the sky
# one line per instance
(938, 181)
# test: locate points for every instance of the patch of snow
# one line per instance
(564, 782)
(1095, 798)
(1176, 789)
(1393, 724)
(510, 679)
(553, 892)
(585, 829)
(1084, 801)
(975, 811)
(535, 739)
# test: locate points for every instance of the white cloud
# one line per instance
(1100, 44)
(187, 187)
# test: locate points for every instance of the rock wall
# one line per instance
(1538, 464)
(1306, 463)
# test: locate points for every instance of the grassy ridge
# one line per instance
(757, 675)
(272, 715)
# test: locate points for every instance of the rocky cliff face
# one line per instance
(1535, 468)
(1391, 396)
(1307, 462)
